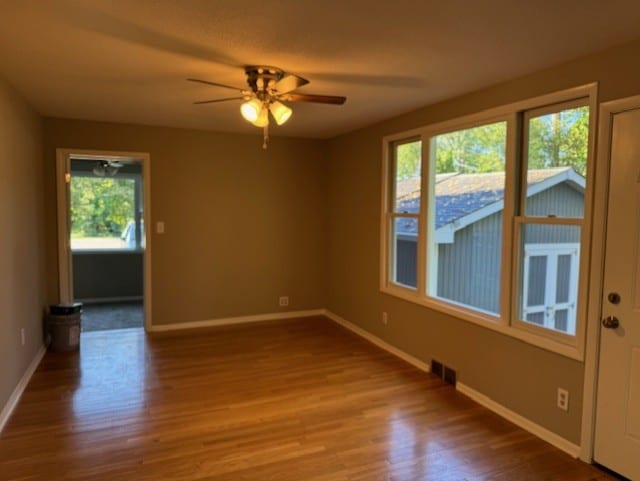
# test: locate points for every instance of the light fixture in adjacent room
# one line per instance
(106, 168)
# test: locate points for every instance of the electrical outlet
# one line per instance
(563, 399)
(22, 336)
(284, 301)
(385, 318)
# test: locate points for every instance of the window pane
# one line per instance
(101, 211)
(557, 163)
(408, 165)
(465, 221)
(405, 251)
(549, 273)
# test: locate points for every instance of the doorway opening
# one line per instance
(104, 249)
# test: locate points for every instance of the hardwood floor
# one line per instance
(287, 401)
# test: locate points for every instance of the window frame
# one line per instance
(392, 216)
(515, 171)
(507, 208)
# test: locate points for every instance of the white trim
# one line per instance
(414, 361)
(471, 120)
(543, 433)
(146, 218)
(517, 419)
(12, 402)
(65, 272)
(227, 321)
(594, 311)
(385, 230)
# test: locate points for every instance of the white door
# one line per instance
(617, 440)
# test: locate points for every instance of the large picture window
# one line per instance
(488, 220)
(466, 187)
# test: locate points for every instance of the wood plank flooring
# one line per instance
(288, 401)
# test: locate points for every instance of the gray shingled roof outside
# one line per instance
(458, 195)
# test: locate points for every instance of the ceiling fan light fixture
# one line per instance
(281, 113)
(267, 87)
(105, 168)
(251, 110)
(263, 118)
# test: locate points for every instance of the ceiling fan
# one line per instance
(107, 168)
(268, 88)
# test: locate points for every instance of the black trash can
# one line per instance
(63, 326)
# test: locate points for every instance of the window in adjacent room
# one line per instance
(105, 211)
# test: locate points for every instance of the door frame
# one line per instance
(65, 271)
(596, 282)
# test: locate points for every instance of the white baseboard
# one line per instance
(414, 361)
(526, 424)
(236, 320)
(534, 428)
(12, 402)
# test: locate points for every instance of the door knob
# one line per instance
(611, 322)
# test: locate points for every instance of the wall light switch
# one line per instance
(160, 227)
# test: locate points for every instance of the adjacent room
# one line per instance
(106, 241)
(343, 241)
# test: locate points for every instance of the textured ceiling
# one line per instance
(127, 60)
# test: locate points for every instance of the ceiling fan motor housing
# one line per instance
(261, 79)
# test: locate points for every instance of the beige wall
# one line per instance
(519, 376)
(243, 225)
(107, 275)
(21, 238)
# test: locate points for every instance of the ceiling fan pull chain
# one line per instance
(265, 140)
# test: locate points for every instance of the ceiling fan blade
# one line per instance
(215, 84)
(288, 83)
(320, 99)
(217, 100)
